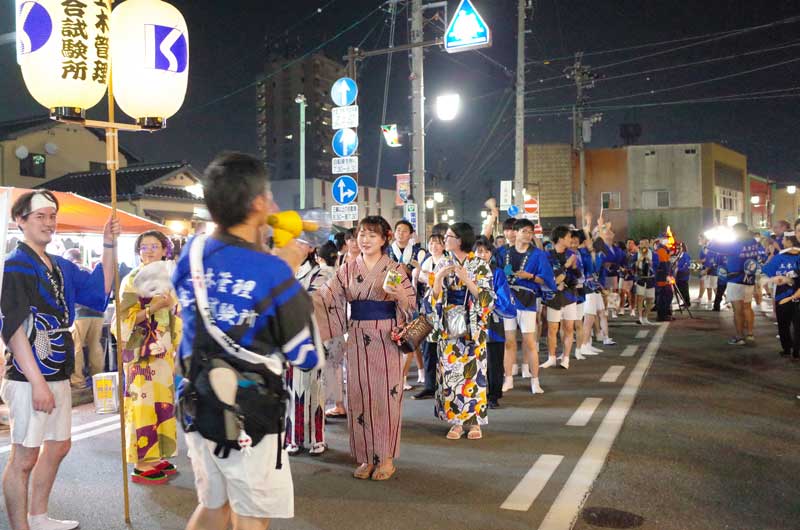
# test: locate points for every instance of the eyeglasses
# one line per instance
(451, 236)
(151, 248)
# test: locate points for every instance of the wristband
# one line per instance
(109, 245)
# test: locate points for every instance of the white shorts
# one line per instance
(30, 428)
(612, 282)
(737, 292)
(579, 310)
(710, 282)
(647, 292)
(594, 304)
(568, 312)
(251, 484)
(525, 319)
(627, 285)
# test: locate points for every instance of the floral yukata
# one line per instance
(374, 362)
(149, 357)
(461, 370)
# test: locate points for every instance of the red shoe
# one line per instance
(166, 467)
(151, 476)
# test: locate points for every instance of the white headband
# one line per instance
(39, 201)
(788, 234)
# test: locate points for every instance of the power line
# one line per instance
(678, 48)
(286, 65)
(749, 96)
(386, 90)
(674, 66)
(787, 20)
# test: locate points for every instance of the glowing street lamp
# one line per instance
(754, 200)
(445, 217)
(438, 196)
(791, 189)
(451, 212)
(447, 106)
(429, 204)
(483, 214)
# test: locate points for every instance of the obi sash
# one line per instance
(372, 310)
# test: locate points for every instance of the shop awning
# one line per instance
(79, 215)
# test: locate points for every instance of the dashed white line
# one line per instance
(612, 374)
(564, 511)
(629, 351)
(584, 413)
(532, 483)
(643, 334)
(81, 432)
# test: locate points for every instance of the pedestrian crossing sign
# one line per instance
(467, 30)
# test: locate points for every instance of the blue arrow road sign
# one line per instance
(345, 142)
(344, 91)
(345, 189)
(467, 30)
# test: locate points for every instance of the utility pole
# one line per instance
(519, 144)
(584, 78)
(417, 112)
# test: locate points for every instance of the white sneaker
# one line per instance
(43, 522)
(548, 363)
(536, 388)
(613, 314)
(565, 362)
(608, 341)
(526, 371)
(633, 313)
(579, 354)
(421, 378)
(649, 323)
(514, 369)
(508, 383)
(587, 350)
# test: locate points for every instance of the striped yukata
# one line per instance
(305, 414)
(374, 362)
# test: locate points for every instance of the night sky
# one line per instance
(227, 54)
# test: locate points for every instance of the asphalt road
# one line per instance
(709, 442)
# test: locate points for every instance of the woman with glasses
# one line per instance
(151, 332)
(460, 304)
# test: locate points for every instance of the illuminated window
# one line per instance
(610, 200)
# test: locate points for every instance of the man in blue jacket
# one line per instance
(742, 260)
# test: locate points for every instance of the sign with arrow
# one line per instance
(467, 30)
(345, 142)
(345, 189)
(344, 91)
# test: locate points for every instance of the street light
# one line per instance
(301, 101)
(438, 196)
(429, 204)
(445, 217)
(791, 189)
(447, 106)
(754, 200)
(451, 212)
(483, 214)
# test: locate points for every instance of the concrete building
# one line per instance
(785, 202)
(643, 188)
(278, 115)
(34, 151)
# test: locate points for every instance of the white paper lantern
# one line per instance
(150, 60)
(63, 51)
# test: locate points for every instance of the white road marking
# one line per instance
(101, 430)
(629, 351)
(532, 483)
(612, 374)
(92, 424)
(109, 424)
(584, 413)
(643, 334)
(564, 511)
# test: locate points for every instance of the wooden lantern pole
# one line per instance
(112, 160)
